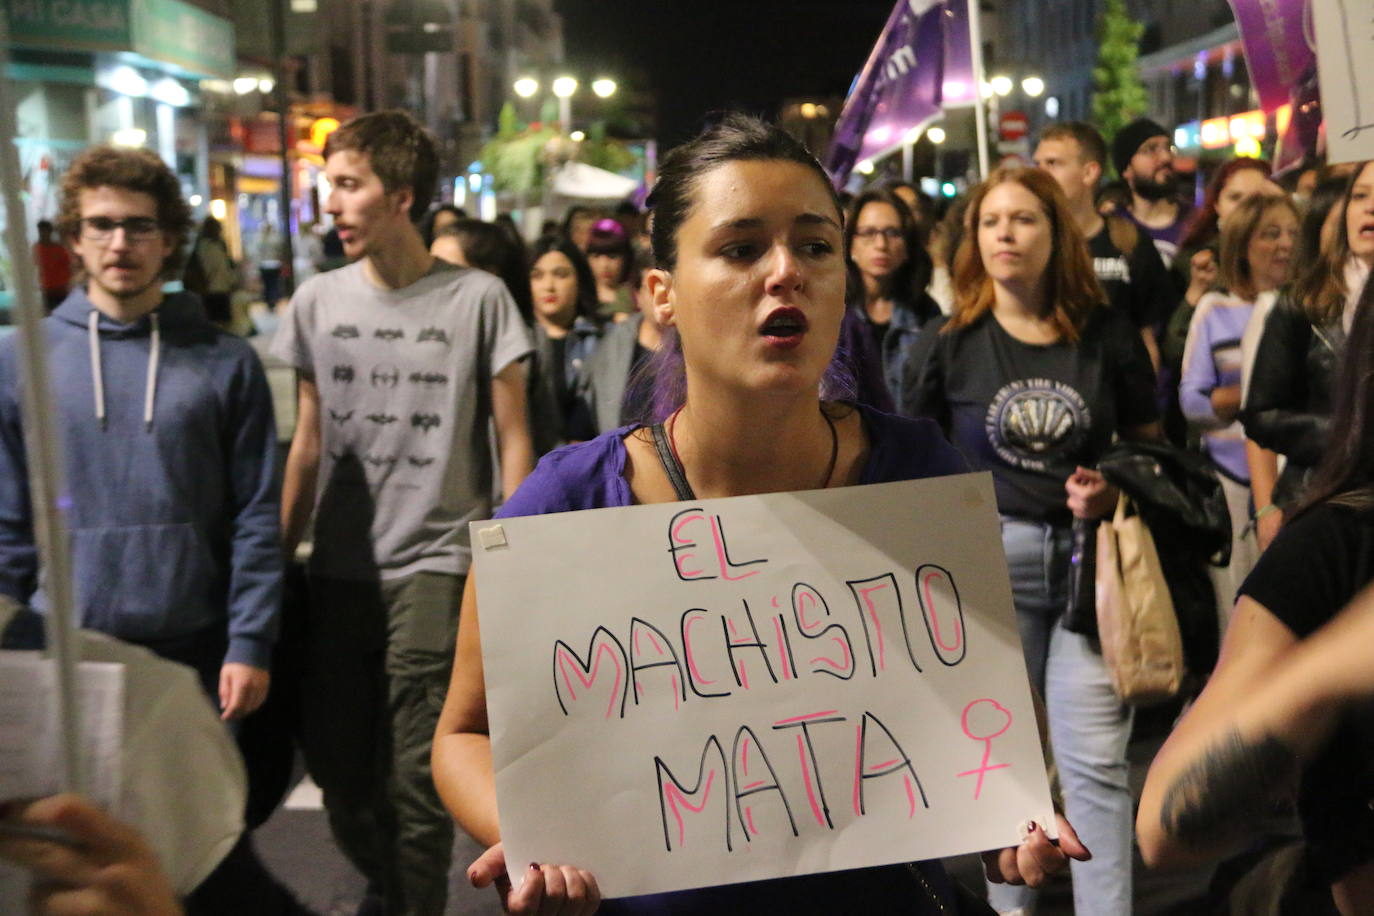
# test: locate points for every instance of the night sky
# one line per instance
(700, 55)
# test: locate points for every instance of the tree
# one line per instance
(1119, 96)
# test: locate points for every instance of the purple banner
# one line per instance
(1276, 48)
(899, 87)
(960, 86)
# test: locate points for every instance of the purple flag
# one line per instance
(1276, 48)
(899, 87)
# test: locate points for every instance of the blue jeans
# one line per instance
(1089, 725)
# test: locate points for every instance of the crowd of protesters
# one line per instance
(1039, 321)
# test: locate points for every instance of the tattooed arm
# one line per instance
(1271, 705)
(1178, 821)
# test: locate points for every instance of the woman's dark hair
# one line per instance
(735, 138)
(575, 212)
(909, 281)
(210, 228)
(1319, 287)
(1346, 473)
(609, 237)
(587, 303)
(488, 247)
(1202, 228)
(427, 222)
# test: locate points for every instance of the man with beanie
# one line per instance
(1143, 154)
(1124, 260)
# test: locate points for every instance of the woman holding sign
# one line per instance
(1032, 375)
(748, 237)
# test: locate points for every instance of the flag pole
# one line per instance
(46, 477)
(980, 113)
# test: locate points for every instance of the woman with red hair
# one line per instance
(1031, 377)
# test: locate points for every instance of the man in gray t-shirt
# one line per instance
(405, 366)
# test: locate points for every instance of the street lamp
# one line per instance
(564, 87)
(1001, 85)
(604, 87)
(526, 87)
(936, 135)
(1033, 86)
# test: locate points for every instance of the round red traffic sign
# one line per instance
(1013, 125)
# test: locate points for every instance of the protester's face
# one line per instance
(878, 248)
(580, 231)
(1359, 215)
(442, 220)
(448, 248)
(1014, 235)
(1243, 184)
(758, 290)
(1151, 170)
(365, 214)
(607, 268)
(553, 284)
(1270, 251)
(1063, 158)
(124, 264)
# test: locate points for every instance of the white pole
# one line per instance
(47, 487)
(980, 115)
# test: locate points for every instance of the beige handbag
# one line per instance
(1141, 643)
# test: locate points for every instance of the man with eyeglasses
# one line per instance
(169, 442)
(1143, 154)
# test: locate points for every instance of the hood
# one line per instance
(176, 309)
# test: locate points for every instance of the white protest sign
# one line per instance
(1345, 42)
(701, 693)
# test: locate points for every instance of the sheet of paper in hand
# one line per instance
(701, 693)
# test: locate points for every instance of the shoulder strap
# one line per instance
(671, 466)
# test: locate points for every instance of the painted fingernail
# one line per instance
(1032, 826)
(472, 877)
(534, 866)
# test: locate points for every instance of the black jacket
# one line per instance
(1288, 405)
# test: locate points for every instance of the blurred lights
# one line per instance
(1248, 146)
(195, 200)
(1033, 86)
(948, 189)
(1001, 85)
(321, 129)
(577, 136)
(564, 87)
(245, 84)
(526, 87)
(865, 167)
(808, 110)
(126, 81)
(936, 134)
(604, 87)
(129, 136)
(170, 92)
(1052, 107)
(266, 85)
(219, 209)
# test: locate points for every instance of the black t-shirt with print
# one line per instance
(1137, 284)
(1032, 413)
(1319, 561)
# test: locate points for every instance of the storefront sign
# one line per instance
(166, 31)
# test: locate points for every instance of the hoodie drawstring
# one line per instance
(97, 377)
(150, 391)
(93, 336)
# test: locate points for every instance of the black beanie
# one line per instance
(1131, 138)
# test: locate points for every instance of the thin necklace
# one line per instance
(829, 468)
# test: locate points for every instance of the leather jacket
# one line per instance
(1288, 405)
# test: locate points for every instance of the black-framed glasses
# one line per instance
(136, 228)
(871, 233)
